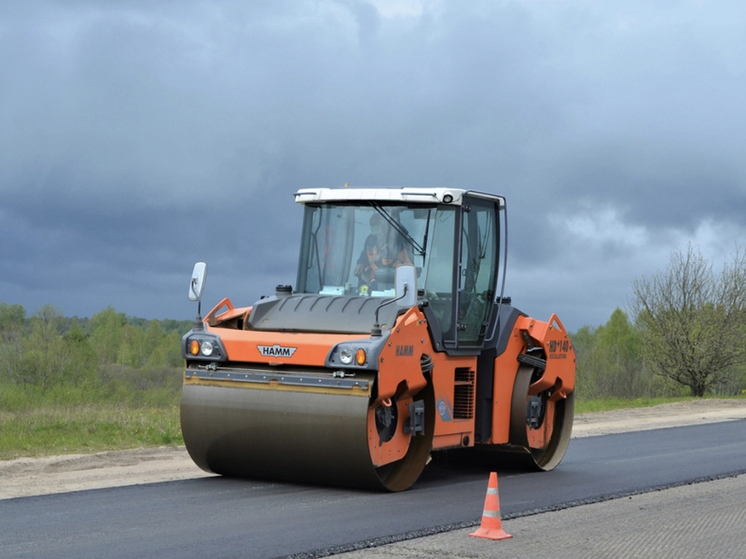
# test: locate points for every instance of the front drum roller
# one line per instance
(401, 474)
(542, 425)
(298, 436)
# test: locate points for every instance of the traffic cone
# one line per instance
(491, 527)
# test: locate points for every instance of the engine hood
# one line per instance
(304, 312)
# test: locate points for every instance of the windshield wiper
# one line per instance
(400, 228)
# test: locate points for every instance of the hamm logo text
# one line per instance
(276, 350)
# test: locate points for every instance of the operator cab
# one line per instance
(354, 239)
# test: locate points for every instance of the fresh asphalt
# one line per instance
(239, 518)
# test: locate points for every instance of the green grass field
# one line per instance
(129, 409)
(86, 429)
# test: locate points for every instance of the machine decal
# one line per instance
(276, 350)
(445, 410)
(404, 350)
(558, 349)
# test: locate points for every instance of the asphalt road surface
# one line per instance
(216, 517)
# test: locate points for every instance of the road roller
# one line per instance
(397, 341)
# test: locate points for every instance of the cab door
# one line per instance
(477, 271)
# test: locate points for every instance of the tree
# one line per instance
(609, 360)
(81, 365)
(12, 342)
(12, 318)
(48, 355)
(692, 320)
(132, 350)
(106, 333)
(585, 343)
(619, 344)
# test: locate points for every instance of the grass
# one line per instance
(126, 408)
(610, 404)
(86, 429)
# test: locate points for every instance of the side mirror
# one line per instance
(405, 281)
(197, 285)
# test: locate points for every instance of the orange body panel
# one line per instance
(539, 438)
(400, 376)
(242, 345)
(559, 373)
(382, 453)
(312, 349)
(213, 317)
(399, 379)
(454, 413)
(399, 371)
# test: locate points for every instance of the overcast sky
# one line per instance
(137, 137)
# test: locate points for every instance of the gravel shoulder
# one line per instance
(25, 477)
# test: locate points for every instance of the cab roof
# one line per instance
(437, 195)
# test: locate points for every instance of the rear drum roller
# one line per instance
(534, 418)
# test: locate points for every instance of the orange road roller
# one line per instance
(395, 342)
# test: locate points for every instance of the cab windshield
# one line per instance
(354, 250)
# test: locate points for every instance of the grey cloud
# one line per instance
(142, 136)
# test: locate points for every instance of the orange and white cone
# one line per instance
(491, 527)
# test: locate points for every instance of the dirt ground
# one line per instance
(74, 472)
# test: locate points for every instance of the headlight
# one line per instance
(353, 354)
(345, 355)
(203, 346)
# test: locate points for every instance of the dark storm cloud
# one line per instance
(139, 137)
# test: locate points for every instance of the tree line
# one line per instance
(48, 349)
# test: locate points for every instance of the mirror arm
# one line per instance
(198, 324)
(376, 330)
